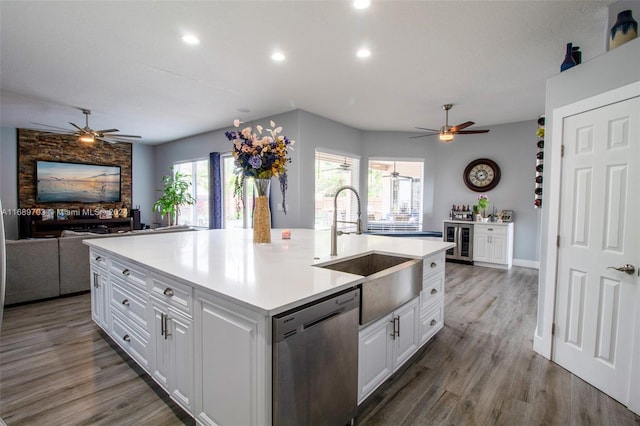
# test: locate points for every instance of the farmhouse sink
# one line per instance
(390, 281)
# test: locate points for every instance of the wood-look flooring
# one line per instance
(58, 368)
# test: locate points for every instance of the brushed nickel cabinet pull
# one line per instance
(168, 292)
(162, 324)
(96, 280)
(433, 322)
(126, 338)
(166, 327)
(398, 325)
(98, 258)
(434, 264)
(126, 272)
(434, 291)
(125, 302)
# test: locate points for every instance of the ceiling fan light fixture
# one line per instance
(87, 137)
(446, 137)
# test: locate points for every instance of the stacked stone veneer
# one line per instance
(36, 146)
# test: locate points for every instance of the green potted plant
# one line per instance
(175, 194)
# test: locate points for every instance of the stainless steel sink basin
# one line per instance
(390, 281)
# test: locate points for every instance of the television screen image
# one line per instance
(73, 182)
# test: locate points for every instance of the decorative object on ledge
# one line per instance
(576, 54)
(261, 212)
(625, 29)
(537, 202)
(260, 158)
(568, 59)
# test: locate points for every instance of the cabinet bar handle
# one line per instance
(433, 322)
(166, 327)
(96, 281)
(398, 325)
(126, 338)
(126, 272)
(434, 291)
(168, 292)
(434, 264)
(125, 302)
(162, 331)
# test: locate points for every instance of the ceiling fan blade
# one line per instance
(462, 126)
(77, 127)
(470, 132)
(110, 141)
(119, 136)
(422, 136)
(54, 131)
(428, 130)
(52, 127)
(107, 131)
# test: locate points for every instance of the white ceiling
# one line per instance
(126, 62)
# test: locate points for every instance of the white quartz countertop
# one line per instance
(268, 278)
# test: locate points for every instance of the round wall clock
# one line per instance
(481, 175)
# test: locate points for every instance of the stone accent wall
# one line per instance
(34, 146)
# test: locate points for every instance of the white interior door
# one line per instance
(600, 192)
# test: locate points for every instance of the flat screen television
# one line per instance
(58, 182)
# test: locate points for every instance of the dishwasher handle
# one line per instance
(299, 320)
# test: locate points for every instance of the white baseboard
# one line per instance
(533, 264)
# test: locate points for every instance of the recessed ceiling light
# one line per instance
(278, 56)
(363, 53)
(191, 39)
(361, 4)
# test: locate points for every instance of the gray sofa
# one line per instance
(50, 267)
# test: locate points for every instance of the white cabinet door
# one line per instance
(385, 345)
(375, 356)
(481, 251)
(181, 336)
(406, 339)
(161, 356)
(231, 359)
(172, 344)
(100, 297)
(498, 249)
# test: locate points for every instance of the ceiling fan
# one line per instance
(447, 132)
(344, 167)
(396, 175)
(86, 133)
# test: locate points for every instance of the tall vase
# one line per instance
(261, 212)
(568, 59)
(625, 29)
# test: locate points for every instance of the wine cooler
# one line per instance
(462, 235)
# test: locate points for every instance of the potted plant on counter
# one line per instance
(483, 203)
(175, 194)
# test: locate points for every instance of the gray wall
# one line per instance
(9, 180)
(512, 146)
(143, 171)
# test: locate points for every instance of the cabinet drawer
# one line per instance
(432, 291)
(433, 264)
(491, 229)
(431, 323)
(129, 273)
(98, 258)
(173, 293)
(131, 304)
(130, 340)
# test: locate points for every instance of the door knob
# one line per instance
(629, 269)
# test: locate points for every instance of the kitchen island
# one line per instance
(195, 309)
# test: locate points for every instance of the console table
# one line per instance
(53, 228)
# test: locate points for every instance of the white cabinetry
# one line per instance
(172, 341)
(493, 245)
(99, 290)
(385, 345)
(232, 362)
(432, 297)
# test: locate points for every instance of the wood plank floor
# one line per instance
(57, 368)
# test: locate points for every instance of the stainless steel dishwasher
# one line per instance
(315, 362)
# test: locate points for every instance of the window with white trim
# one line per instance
(197, 171)
(333, 170)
